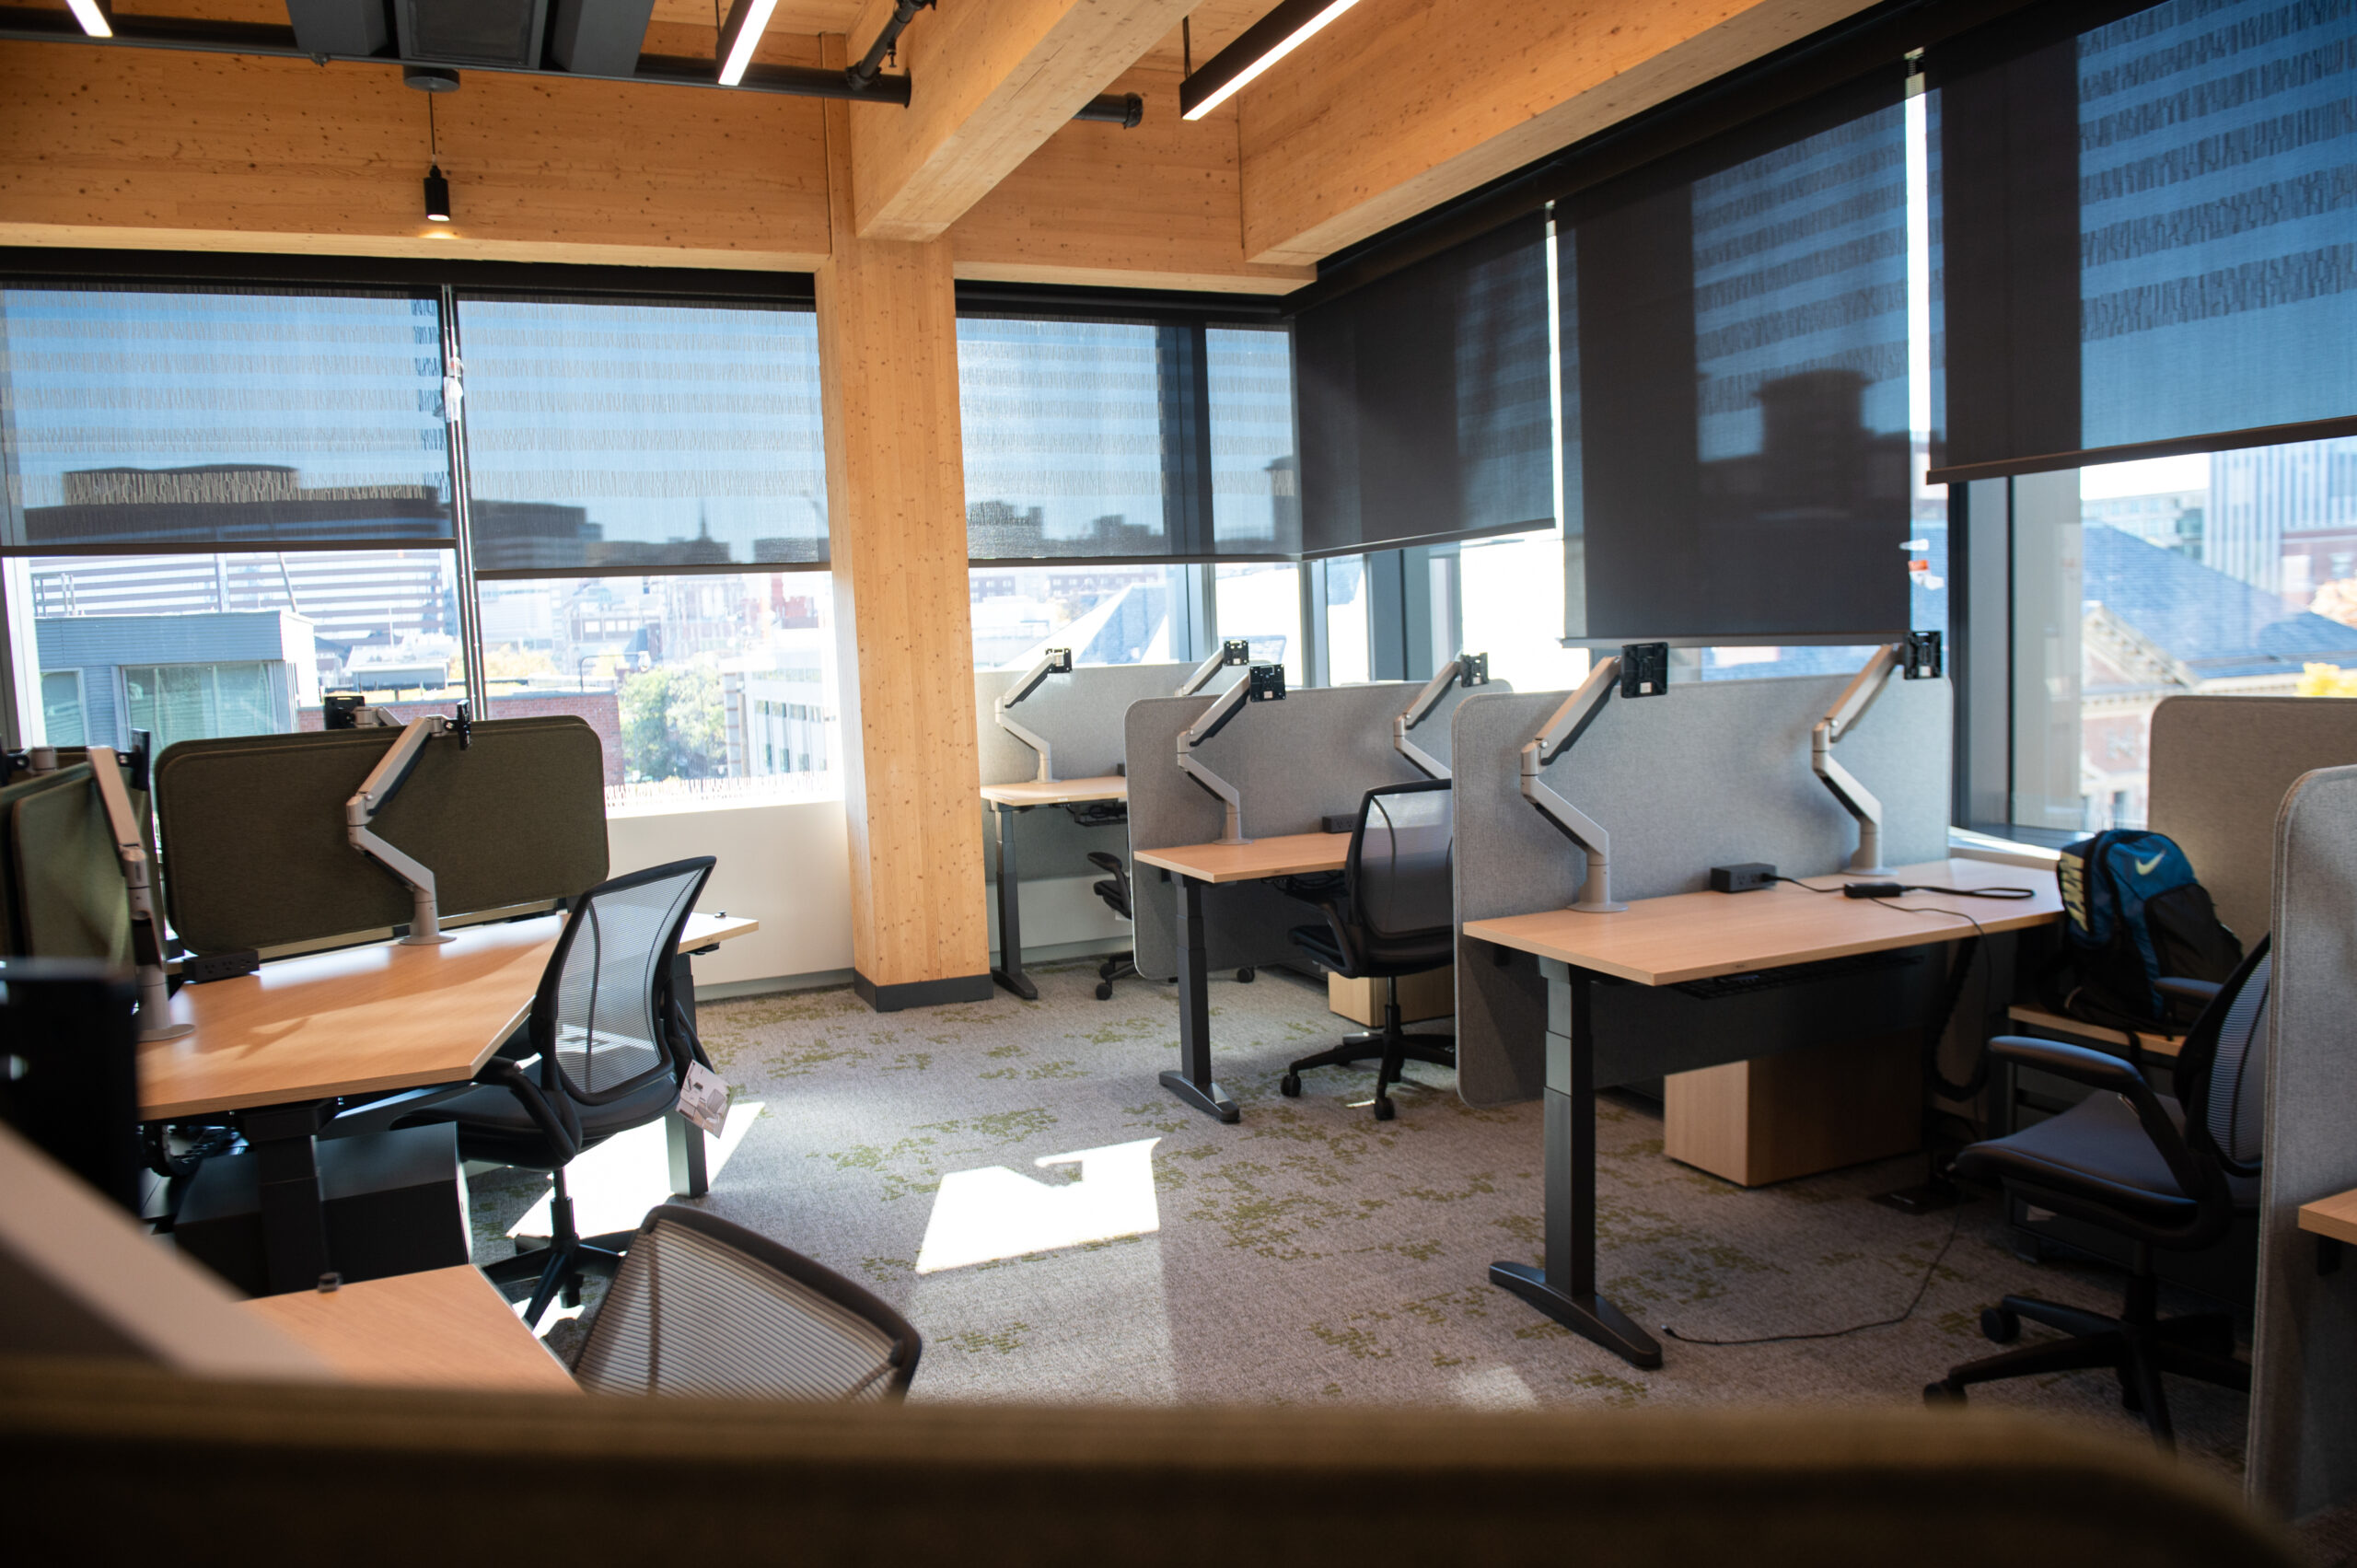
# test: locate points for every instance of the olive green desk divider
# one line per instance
(255, 855)
(63, 896)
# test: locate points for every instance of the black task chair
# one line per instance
(605, 1050)
(2141, 1165)
(1114, 889)
(1394, 914)
(704, 1306)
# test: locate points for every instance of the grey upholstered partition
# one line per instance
(1079, 715)
(1314, 754)
(2302, 1454)
(1703, 775)
(2220, 766)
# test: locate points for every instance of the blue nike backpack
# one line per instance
(2132, 915)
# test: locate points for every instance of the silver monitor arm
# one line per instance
(1261, 683)
(1235, 651)
(1838, 722)
(138, 880)
(1471, 668)
(1555, 737)
(1056, 661)
(383, 783)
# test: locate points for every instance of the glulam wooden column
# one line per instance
(896, 525)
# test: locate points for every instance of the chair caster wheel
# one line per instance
(1244, 977)
(1104, 991)
(1940, 1393)
(2000, 1325)
(1290, 1086)
(1384, 1110)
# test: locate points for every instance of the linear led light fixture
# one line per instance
(1640, 669)
(92, 17)
(1917, 656)
(1259, 47)
(139, 884)
(740, 36)
(1057, 661)
(1235, 650)
(1471, 668)
(384, 781)
(1261, 683)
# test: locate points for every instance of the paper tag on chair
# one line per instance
(703, 1098)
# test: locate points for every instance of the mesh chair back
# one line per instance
(2225, 1065)
(601, 1016)
(1398, 873)
(704, 1306)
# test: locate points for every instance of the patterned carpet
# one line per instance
(1310, 1252)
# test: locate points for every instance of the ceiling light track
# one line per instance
(28, 25)
(1259, 47)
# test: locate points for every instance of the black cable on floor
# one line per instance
(1922, 1287)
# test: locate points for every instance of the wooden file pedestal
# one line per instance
(1798, 1112)
(1432, 994)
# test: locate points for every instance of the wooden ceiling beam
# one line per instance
(1401, 105)
(992, 83)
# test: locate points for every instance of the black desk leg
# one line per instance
(1192, 1082)
(1565, 1289)
(683, 1139)
(294, 1218)
(1009, 972)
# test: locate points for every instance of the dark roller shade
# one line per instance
(1424, 400)
(253, 832)
(1735, 385)
(2149, 230)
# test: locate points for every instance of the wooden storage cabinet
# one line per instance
(1813, 1108)
(1429, 994)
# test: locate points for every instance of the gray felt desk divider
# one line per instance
(253, 832)
(2303, 1452)
(1079, 715)
(1314, 754)
(1706, 775)
(2220, 768)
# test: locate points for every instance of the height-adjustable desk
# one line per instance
(1008, 801)
(1192, 868)
(279, 1046)
(1668, 941)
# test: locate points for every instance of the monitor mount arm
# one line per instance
(1570, 722)
(376, 791)
(146, 924)
(1838, 722)
(1473, 669)
(1261, 683)
(1235, 651)
(1056, 661)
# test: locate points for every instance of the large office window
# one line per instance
(1260, 602)
(227, 501)
(2233, 572)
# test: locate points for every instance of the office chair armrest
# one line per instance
(551, 1112)
(1341, 930)
(2201, 993)
(2100, 1070)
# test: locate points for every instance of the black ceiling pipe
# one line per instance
(1125, 110)
(863, 73)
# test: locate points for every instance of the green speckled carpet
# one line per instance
(1309, 1252)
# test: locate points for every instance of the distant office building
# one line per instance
(2166, 520)
(178, 677)
(2268, 504)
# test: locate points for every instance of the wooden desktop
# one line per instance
(1697, 936)
(1008, 801)
(442, 1329)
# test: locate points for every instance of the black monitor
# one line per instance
(71, 1081)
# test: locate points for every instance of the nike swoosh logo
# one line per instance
(2144, 868)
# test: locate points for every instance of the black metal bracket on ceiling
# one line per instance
(26, 25)
(862, 83)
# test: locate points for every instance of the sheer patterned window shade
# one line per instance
(1423, 399)
(2148, 235)
(1256, 478)
(161, 419)
(1735, 365)
(615, 436)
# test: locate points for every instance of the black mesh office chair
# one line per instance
(1394, 914)
(704, 1306)
(1114, 889)
(605, 1050)
(2141, 1165)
